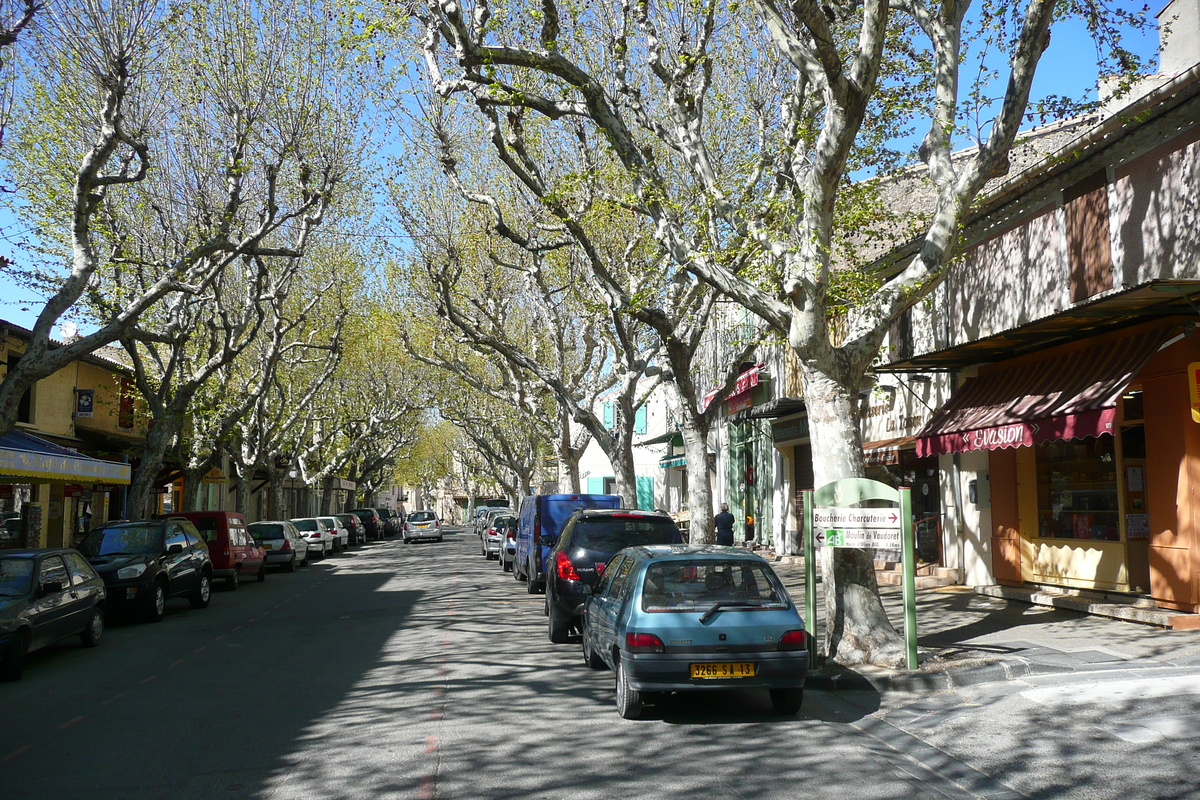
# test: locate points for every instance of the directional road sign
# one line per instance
(879, 538)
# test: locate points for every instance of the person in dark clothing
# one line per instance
(724, 522)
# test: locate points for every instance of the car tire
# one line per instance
(290, 566)
(13, 657)
(629, 700)
(558, 625)
(202, 593)
(505, 565)
(154, 606)
(233, 581)
(590, 657)
(93, 632)
(531, 586)
(262, 572)
(787, 701)
(439, 538)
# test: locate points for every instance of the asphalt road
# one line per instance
(422, 671)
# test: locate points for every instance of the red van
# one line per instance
(233, 551)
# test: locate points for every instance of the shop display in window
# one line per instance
(1077, 490)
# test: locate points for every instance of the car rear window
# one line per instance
(690, 585)
(134, 539)
(421, 516)
(306, 524)
(15, 574)
(267, 530)
(615, 533)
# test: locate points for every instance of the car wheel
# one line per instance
(531, 586)
(262, 572)
(290, 566)
(155, 604)
(202, 593)
(629, 700)
(91, 635)
(559, 625)
(589, 655)
(787, 701)
(233, 581)
(439, 538)
(505, 565)
(14, 656)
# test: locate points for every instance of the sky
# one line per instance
(1067, 68)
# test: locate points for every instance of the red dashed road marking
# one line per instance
(16, 752)
(177, 663)
(431, 744)
(147, 680)
(69, 723)
(436, 714)
(428, 782)
(113, 699)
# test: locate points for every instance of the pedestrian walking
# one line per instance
(724, 522)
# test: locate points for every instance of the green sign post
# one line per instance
(833, 517)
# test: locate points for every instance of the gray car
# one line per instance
(284, 545)
(422, 525)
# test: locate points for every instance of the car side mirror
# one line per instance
(51, 587)
(174, 548)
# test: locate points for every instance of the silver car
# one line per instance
(318, 535)
(422, 525)
(284, 545)
(341, 534)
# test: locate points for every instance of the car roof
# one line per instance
(621, 512)
(33, 552)
(695, 551)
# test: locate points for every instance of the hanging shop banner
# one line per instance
(85, 403)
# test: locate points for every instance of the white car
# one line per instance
(341, 534)
(422, 525)
(286, 547)
(317, 534)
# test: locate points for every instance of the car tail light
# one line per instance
(643, 643)
(566, 570)
(286, 545)
(600, 565)
(793, 640)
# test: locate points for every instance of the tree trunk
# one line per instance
(241, 491)
(700, 505)
(624, 473)
(858, 631)
(158, 441)
(193, 481)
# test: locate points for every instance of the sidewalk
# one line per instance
(966, 638)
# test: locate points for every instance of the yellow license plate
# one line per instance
(744, 669)
(266, 545)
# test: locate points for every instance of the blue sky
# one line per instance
(1067, 68)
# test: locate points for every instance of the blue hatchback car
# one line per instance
(694, 618)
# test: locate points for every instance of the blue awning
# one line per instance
(25, 458)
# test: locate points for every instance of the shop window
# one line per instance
(1077, 490)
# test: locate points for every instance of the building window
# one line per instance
(1077, 490)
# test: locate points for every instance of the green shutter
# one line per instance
(645, 493)
(595, 485)
(609, 417)
(639, 420)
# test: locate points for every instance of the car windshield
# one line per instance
(692, 585)
(421, 516)
(306, 524)
(330, 521)
(134, 539)
(613, 533)
(15, 576)
(266, 530)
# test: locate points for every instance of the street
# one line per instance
(422, 671)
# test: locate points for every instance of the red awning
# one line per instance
(745, 382)
(1068, 396)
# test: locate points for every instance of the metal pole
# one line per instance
(810, 577)
(910, 577)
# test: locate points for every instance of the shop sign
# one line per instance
(790, 430)
(73, 490)
(162, 490)
(214, 475)
(102, 488)
(739, 403)
(745, 382)
(1194, 388)
(85, 403)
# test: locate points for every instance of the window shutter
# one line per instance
(595, 485)
(609, 416)
(639, 420)
(645, 493)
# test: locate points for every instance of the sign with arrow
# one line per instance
(856, 518)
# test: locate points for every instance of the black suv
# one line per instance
(147, 561)
(371, 519)
(589, 540)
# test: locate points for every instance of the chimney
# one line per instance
(1178, 37)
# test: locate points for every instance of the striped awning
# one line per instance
(1072, 395)
(25, 458)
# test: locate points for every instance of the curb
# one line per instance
(846, 679)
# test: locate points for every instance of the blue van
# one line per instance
(542, 519)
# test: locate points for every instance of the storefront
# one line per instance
(1093, 454)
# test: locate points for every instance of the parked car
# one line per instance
(234, 552)
(684, 618)
(145, 562)
(422, 525)
(492, 539)
(284, 544)
(541, 520)
(484, 524)
(341, 536)
(317, 534)
(370, 518)
(358, 531)
(588, 541)
(393, 522)
(507, 526)
(46, 595)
